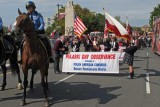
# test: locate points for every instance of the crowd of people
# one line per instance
(65, 45)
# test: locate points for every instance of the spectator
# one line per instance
(107, 44)
(95, 44)
(114, 44)
(75, 45)
(87, 44)
(66, 44)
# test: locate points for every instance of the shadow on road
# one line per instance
(74, 91)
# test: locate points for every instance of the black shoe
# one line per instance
(51, 60)
(56, 72)
(131, 75)
(59, 72)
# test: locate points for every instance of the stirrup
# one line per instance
(3, 62)
(51, 60)
(20, 61)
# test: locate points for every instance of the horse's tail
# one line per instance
(13, 56)
(14, 63)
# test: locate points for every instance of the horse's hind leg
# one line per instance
(44, 87)
(19, 80)
(46, 77)
(32, 78)
(4, 83)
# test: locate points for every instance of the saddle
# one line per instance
(42, 40)
(8, 48)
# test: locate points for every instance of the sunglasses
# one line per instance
(28, 7)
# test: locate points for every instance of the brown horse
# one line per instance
(34, 55)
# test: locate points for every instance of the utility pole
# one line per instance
(58, 5)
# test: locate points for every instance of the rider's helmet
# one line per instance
(30, 4)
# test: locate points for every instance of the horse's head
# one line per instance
(24, 23)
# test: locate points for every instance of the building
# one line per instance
(145, 28)
(69, 18)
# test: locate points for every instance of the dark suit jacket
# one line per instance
(57, 46)
(131, 50)
(116, 47)
(107, 45)
(77, 46)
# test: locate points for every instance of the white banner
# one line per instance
(91, 62)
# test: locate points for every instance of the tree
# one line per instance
(93, 21)
(58, 25)
(155, 13)
(5, 29)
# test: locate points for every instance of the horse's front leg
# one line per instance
(4, 83)
(19, 80)
(25, 84)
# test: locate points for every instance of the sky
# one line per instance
(138, 11)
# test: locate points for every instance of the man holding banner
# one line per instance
(58, 50)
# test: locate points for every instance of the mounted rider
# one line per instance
(38, 21)
(2, 59)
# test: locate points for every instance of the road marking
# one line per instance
(148, 90)
(64, 79)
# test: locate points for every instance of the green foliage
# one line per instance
(154, 13)
(5, 29)
(93, 21)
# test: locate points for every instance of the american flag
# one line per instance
(79, 27)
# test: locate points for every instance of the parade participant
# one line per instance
(125, 43)
(75, 45)
(38, 21)
(107, 44)
(58, 51)
(114, 44)
(95, 45)
(120, 43)
(87, 44)
(2, 59)
(129, 57)
(66, 48)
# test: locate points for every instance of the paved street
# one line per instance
(94, 90)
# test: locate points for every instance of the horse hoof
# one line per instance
(20, 86)
(22, 103)
(2, 88)
(46, 104)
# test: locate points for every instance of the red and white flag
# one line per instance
(79, 27)
(114, 26)
(128, 27)
(61, 15)
(105, 31)
(10, 28)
